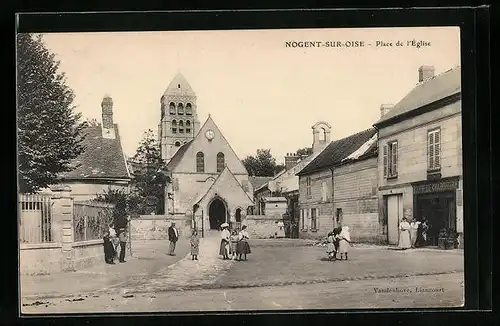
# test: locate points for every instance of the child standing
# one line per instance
(330, 247)
(234, 243)
(195, 245)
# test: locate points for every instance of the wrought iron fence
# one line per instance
(91, 219)
(35, 220)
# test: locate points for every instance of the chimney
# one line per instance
(425, 73)
(107, 112)
(291, 159)
(384, 108)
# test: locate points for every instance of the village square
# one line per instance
(370, 220)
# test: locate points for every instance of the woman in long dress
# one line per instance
(404, 234)
(330, 247)
(225, 241)
(344, 242)
(195, 245)
(243, 248)
(414, 226)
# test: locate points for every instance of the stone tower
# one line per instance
(179, 117)
(321, 136)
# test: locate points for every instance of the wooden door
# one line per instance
(394, 215)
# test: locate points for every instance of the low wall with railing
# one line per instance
(57, 234)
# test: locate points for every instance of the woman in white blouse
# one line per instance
(225, 241)
(243, 248)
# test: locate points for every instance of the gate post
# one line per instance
(63, 214)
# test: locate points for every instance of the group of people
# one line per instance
(414, 234)
(234, 245)
(339, 241)
(114, 242)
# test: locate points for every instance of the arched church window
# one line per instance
(220, 162)
(172, 108)
(180, 109)
(189, 109)
(188, 127)
(200, 162)
(322, 134)
(181, 127)
(174, 126)
(237, 215)
(177, 144)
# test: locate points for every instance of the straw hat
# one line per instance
(224, 225)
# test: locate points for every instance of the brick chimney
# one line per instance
(384, 108)
(107, 112)
(291, 159)
(425, 73)
(108, 129)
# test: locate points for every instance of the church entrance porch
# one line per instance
(217, 213)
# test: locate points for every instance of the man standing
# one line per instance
(123, 243)
(173, 236)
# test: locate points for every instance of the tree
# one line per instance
(49, 132)
(262, 165)
(304, 151)
(151, 175)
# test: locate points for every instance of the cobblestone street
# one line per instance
(278, 275)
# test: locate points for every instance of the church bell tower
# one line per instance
(179, 122)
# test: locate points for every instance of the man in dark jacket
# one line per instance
(173, 236)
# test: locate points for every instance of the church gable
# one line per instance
(228, 188)
(209, 152)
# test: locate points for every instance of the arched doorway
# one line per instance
(217, 213)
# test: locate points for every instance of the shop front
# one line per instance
(436, 202)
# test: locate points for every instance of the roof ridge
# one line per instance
(438, 75)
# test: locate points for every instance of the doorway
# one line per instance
(439, 210)
(394, 204)
(217, 213)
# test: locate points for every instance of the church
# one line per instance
(209, 183)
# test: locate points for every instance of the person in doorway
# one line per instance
(404, 234)
(173, 236)
(225, 235)
(195, 245)
(344, 242)
(234, 244)
(243, 248)
(424, 229)
(414, 232)
(109, 251)
(123, 244)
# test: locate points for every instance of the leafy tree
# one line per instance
(49, 132)
(304, 151)
(120, 200)
(262, 165)
(151, 175)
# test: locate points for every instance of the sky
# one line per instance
(260, 93)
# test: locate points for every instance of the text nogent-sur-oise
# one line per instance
(357, 44)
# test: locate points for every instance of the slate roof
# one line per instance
(176, 159)
(102, 159)
(438, 87)
(340, 149)
(258, 182)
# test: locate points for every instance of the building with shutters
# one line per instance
(339, 187)
(420, 156)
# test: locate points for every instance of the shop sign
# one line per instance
(444, 185)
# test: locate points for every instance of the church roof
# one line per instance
(179, 86)
(340, 149)
(176, 159)
(103, 158)
(437, 88)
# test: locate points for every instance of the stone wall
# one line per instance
(261, 226)
(43, 258)
(155, 227)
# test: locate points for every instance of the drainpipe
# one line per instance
(333, 198)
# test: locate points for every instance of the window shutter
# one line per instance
(437, 150)
(430, 149)
(394, 158)
(385, 161)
